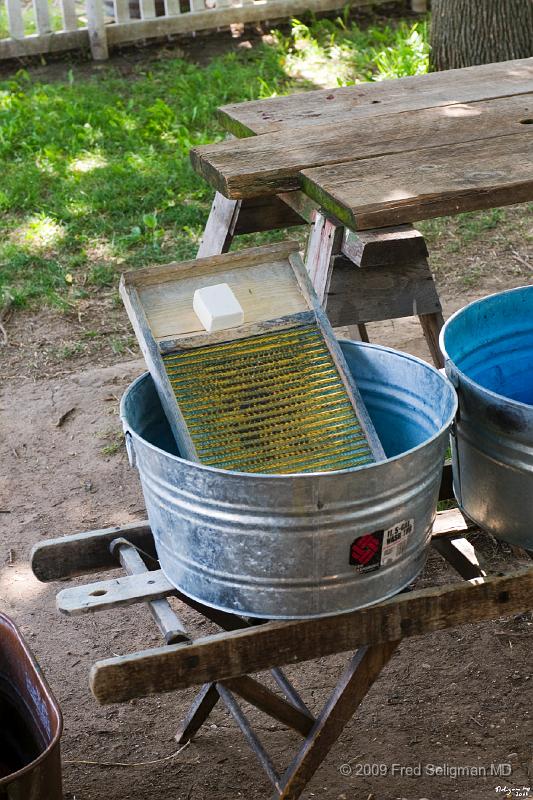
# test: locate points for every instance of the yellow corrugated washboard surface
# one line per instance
(272, 403)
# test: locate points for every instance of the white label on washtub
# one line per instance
(395, 541)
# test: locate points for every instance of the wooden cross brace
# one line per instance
(221, 663)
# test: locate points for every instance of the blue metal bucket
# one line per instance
(488, 350)
(289, 546)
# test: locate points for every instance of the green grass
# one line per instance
(468, 227)
(95, 171)
(339, 52)
(115, 442)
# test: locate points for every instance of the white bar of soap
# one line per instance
(217, 308)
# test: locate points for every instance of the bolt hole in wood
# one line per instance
(98, 592)
(526, 121)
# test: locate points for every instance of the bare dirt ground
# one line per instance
(460, 698)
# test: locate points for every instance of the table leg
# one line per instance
(230, 218)
(203, 704)
(431, 328)
(324, 244)
(372, 276)
(220, 227)
(323, 247)
(357, 679)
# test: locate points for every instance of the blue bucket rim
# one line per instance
(306, 475)
(464, 378)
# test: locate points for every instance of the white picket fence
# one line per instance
(38, 29)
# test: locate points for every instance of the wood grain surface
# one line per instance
(268, 164)
(434, 182)
(350, 103)
(228, 655)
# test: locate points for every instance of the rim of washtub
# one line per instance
(305, 475)
(463, 376)
(14, 776)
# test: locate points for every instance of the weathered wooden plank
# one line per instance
(265, 214)
(432, 182)
(384, 246)
(263, 698)
(460, 554)
(42, 16)
(14, 18)
(126, 591)
(323, 245)
(450, 524)
(36, 44)
(68, 12)
(348, 104)
(218, 232)
(300, 204)
(369, 295)
(83, 553)
(171, 626)
(337, 355)
(228, 655)
(159, 273)
(250, 736)
(265, 165)
(203, 704)
(431, 325)
(221, 17)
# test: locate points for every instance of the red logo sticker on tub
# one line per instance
(379, 549)
(365, 552)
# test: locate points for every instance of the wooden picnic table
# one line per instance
(362, 163)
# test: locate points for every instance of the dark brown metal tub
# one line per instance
(30, 724)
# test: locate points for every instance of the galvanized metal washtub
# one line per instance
(30, 724)
(488, 350)
(291, 546)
